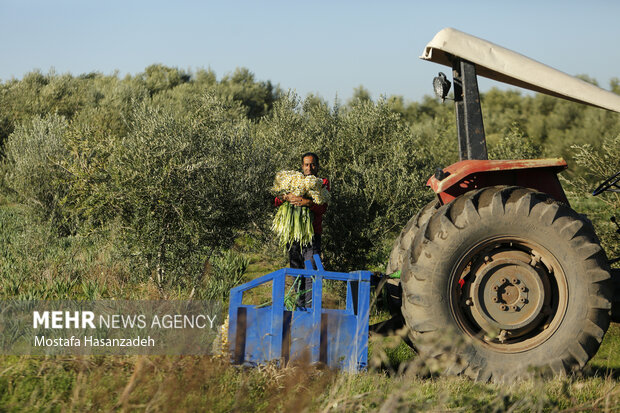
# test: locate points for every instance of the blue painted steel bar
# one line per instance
(350, 297)
(277, 318)
(338, 337)
(363, 314)
(317, 305)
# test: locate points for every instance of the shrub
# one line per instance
(224, 271)
(376, 165)
(599, 165)
(35, 152)
(378, 169)
(513, 145)
(185, 183)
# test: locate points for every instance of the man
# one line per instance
(299, 254)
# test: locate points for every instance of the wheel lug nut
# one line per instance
(514, 308)
(503, 307)
(523, 289)
(523, 300)
(515, 280)
(503, 280)
(495, 287)
(494, 299)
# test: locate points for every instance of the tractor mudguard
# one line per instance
(468, 175)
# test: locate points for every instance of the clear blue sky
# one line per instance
(323, 47)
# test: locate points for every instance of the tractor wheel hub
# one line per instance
(507, 292)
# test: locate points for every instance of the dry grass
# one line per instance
(162, 384)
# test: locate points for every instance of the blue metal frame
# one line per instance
(336, 337)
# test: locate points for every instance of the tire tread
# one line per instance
(424, 303)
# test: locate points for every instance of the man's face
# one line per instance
(309, 166)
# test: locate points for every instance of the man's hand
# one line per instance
(297, 200)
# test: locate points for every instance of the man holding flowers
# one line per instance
(300, 229)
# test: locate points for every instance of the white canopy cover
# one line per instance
(504, 65)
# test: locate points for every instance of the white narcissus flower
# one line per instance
(300, 185)
(294, 223)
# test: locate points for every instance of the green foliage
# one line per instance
(614, 85)
(182, 383)
(181, 162)
(34, 153)
(551, 124)
(158, 78)
(432, 122)
(513, 145)
(139, 187)
(377, 167)
(360, 93)
(106, 102)
(36, 264)
(502, 111)
(225, 270)
(184, 183)
(175, 167)
(256, 97)
(599, 164)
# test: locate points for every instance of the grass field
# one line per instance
(35, 265)
(164, 383)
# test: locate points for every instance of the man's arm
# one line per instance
(280, 199)
(295, 200)
(299, 201)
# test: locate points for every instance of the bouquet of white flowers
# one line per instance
(294, 223)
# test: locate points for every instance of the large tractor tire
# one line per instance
(401, 246)
(518, 277)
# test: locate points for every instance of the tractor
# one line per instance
(499, 261)
(499, 258)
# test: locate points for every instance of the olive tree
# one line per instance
(35, 152)
(185, 183)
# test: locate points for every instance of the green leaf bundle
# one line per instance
(293, 223)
